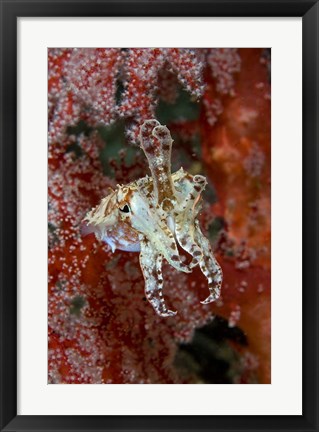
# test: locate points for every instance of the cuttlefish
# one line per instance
(155, 214)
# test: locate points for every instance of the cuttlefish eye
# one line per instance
(125, 209)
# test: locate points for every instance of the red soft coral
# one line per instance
(101, 329)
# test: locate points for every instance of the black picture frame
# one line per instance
(10, 11)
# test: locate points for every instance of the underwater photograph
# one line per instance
(159, 215)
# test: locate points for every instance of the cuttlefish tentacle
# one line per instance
(185, 221)
(209, 266)
(151, 265)
(156, 143)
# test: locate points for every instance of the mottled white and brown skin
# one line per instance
(154, 214)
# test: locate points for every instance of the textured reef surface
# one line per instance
(216, 104)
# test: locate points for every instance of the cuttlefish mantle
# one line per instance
(153, 215)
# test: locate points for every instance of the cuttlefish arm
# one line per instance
(209, 266)
(151, 265)
(185, 218)
(156, 143)
(191, 238)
